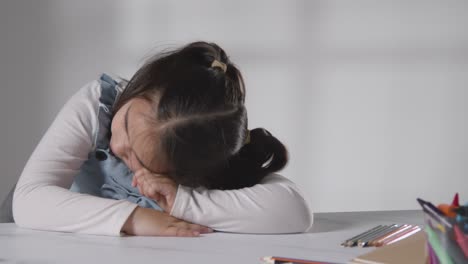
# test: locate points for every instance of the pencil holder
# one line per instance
(446, 240)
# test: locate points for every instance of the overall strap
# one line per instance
(106, 102)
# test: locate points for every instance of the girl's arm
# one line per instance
(273, 206)
(42, 199)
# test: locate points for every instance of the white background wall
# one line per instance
(370, 96)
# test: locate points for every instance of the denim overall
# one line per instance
(104, 174)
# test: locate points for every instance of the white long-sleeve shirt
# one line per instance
(42, 199)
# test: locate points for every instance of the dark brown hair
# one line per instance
(205, 120)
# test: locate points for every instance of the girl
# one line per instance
(167, 153)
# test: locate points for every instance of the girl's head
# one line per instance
(183, 114)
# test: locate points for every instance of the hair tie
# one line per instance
(247, 138)
(217, 63)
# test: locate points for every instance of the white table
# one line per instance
(19, 245)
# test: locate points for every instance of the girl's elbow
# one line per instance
(22, 209)
(304, 218)
(299, 209)
(308, 221)
(17, 208)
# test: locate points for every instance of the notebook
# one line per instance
(411, 250)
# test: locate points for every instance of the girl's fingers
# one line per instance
(194, 227)
(154, 186)
(201, 229)
(157, 187)
(156, 197)
(134, 180)
(140, 187)
(136, 177)
(180, 232)
(140, 183)
(207, 230)
(149, 189)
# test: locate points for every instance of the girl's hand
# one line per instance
(157, 187)
(149, 222)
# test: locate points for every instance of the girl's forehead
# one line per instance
(143, 134)
(135, 118)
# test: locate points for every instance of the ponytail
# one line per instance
(262, 155)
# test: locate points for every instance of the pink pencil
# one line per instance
(402, 235)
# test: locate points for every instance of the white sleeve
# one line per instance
(273, 206)
(42, 199)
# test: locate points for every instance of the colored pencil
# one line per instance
(363, 241)
(284, 260)
(351, 241)
(402, 235)
(379, 242)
